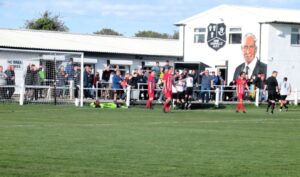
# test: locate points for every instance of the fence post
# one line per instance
(217, 97)
(22, 93)
(71, 91)
(128, 96)
(139, 92)
(257, 97)
(296, 97)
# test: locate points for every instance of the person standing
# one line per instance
(285, 90)
(156, 68)
(167, 88)
(2, 83)
(272, 87)
(116, 85)
(206, 85)
(241, 84)
(10, 81)
(151, 88)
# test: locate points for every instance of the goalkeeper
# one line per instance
(97, 104)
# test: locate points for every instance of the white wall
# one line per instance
(201, 52)
(282, 56)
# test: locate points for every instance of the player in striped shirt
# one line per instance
(241, 84)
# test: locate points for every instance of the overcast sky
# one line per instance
(124, 16)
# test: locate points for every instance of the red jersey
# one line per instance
(151, 84)
(240, 86)
(168, 82)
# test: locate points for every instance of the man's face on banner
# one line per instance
(249, 49)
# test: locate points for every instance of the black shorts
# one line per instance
(189, 91)
(283, 97)
(174, 96)
(272, 96)
(180, 95)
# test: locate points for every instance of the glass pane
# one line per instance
(295, 30)
(235, 38)
(199, 38)
(295, 39)
(200, 30)
(235, 29)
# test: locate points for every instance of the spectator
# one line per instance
(116, 85)
(156, 68)
(206, 85)
(88, 82)
(105, 81)
(35, 81)
(2, 83)
(76, 80)
(42, 77)
(69, 70)
(167, 65)
(61, 81)
(141, 84)
(97, 84)
(10, 81)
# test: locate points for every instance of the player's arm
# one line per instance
(150, 87)
(290, 90)
(247, 87)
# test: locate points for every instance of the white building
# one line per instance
(277, 32)
(98, 50)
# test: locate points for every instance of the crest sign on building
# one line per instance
(216, 36)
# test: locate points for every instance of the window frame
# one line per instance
(297, 33)
(200, 31)
(235, 31)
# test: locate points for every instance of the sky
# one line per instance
(124, 16)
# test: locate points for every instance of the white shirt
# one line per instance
(189, 81)
(285, 88)
(251, 67)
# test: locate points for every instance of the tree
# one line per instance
(153, 34)
(108, 31)
(47, 22)
(176, 35)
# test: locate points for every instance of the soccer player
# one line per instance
(151, 88)
(189, 91)
(272, 87)
(167, 88)
(241, 84)
(285, 90)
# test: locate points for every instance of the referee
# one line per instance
(272, 87)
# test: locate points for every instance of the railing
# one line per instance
(70, 94)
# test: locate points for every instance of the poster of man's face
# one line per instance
(251, 65)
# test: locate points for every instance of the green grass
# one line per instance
(45, 140)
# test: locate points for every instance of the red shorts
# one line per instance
(240, 96)
(168, 95)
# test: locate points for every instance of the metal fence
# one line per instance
(71, 94)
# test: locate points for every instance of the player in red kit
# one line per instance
(167, 89)
(151, 88)
(241, 84)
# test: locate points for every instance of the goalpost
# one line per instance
(41, 76)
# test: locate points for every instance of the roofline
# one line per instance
(27, 49)
(185, 21)
(88, 34)
(280, 22)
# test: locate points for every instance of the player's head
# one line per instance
(274, 73)
(242, 75)
(285, 78)
(153, 73)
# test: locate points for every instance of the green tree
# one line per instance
(108, 31)
(153, 34)
(176, 35)
(47, 22)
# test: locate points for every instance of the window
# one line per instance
(295, 36)
(199, 36)
(235, 36)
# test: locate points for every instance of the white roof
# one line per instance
(264, 15)
(63, 41)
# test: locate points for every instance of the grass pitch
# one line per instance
(45, 140)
